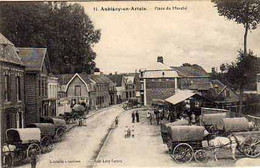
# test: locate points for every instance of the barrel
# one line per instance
(185, 133)
(236, 124)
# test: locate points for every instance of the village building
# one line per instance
(36, 83)
(95, 91)
(120, 84)
(12, 69)
(127, 86)
(105, 90)
(77, 88)
(157, 82)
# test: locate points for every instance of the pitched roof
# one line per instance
(117, 79)
(201, 86)
(190, 71)
(8, 52)
(33, 58)
(101, 79)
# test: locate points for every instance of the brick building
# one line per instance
(11, 87)
(36, 87)
(157, 82)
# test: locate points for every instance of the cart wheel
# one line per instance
(33, 148)
(7, 160)
(60, 133)
(182, 153)
(47, 144)
(201, 156)
(251, 147)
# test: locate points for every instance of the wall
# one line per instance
(13, 110)
(159, 89)
(32, 98)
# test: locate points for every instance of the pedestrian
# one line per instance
(137, 116)
(34, 159)
(116, 121)
(157, 117)
(133, 117)
(193, 119)
(150, 117)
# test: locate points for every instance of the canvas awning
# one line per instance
(179, 96)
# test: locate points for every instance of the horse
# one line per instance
(231, 142)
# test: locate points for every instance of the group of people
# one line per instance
(135, 116)
(157, 115)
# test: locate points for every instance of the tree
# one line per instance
(246, 12)
(65, 29)
(243, 72)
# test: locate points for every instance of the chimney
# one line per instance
(160, 59)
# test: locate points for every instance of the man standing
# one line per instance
(137, 116)
(133, 117)
(34, 159)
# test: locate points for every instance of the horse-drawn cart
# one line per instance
(21, 144)
(47, 135)
(59, 125)
(185, 143)
(132, 103)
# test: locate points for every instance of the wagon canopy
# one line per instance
(180, 96)
(56, 121)
(164, 125)
(24, 135)
(236, 124)
(185, 133)
(47, 129)
(215, 119)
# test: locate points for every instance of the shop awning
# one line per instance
(179, 96)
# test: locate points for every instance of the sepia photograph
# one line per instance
(109, 84)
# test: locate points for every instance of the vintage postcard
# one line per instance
(130, 83)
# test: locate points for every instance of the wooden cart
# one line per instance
(47, 135)
(185, 142)
(21, 144)
(59, 125)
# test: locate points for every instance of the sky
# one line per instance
(132, 40)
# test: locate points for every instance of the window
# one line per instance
(7, 88)
(77, 90)
(18, 88)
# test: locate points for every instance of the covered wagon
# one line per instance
(238, 124)
(212, 119)
(213, 122)
(165, 124)
(47, 135)
(185, 142)
(21, 144)
(59, 125)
